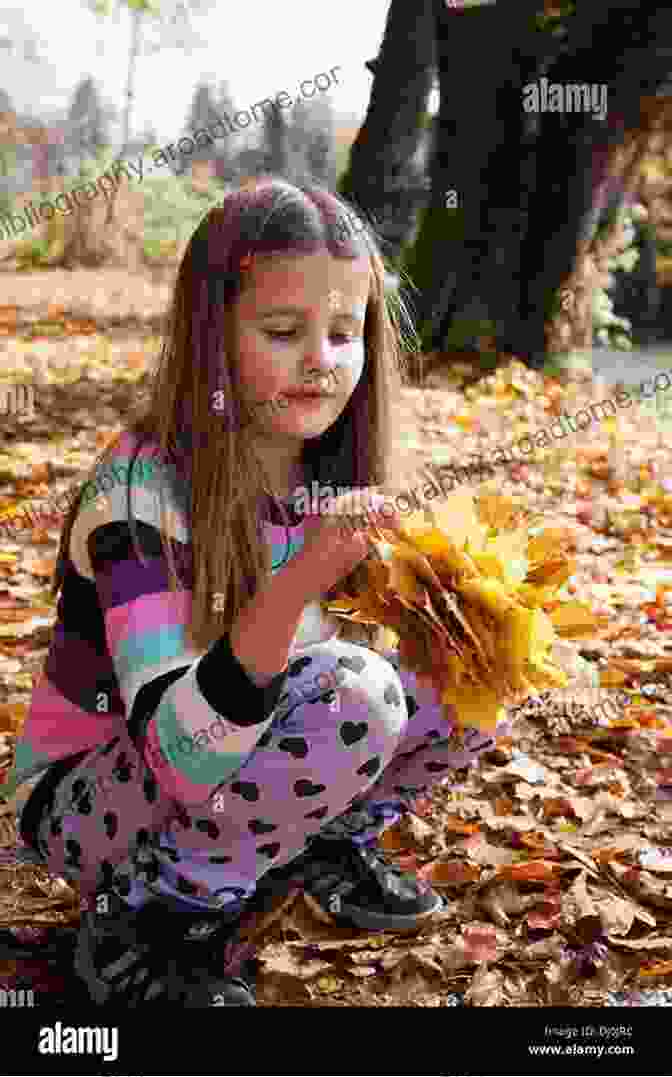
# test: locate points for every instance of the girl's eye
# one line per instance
(285, 334)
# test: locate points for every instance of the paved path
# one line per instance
(614, 366)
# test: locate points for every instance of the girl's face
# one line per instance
(299, 325)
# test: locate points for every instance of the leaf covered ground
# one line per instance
(552, 853)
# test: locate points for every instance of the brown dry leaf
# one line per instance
(643, 885)
(77, 327)
(479, 850)
(455, 825)
(392, 840)
(539, 843)
(579, 854)
(12, 717)
(534, 871)
(277, 958)
(19, 616)
(44, 568)
(454, 957)
(617, 914)
(551, 947)
(281, 989)
(486, 988)
(660, 942)
(420, 959)
(527, 769)
(301, 920)
(577, 902)
(612, 677)
(661, 968)
(480, 942)
(500, 899)
(449, 873)
(546, 915)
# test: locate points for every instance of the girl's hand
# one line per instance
(336, 543)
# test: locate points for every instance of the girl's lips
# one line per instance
(309, 396)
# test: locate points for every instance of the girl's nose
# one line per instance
(320, 360)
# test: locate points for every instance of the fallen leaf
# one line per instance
(455, 825)
(533, 871)
(480, 942)
(661, 968)
(449, 873)
(660, 942)
(43, 569)
(485, 988)
(545, 915)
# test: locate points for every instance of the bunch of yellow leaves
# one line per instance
(470, 596)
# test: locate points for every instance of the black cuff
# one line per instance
(228, 689)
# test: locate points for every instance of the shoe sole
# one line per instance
(371, 921)
(47, 951)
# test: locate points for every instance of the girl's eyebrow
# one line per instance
(272, 311)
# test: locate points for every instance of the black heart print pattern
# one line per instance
(304, 788)
(391, 695)
(354, 664)
(247, 790)
(271, 850)
(296, 746)
(206, 826)
(351, 732)
(371, 767)
(258, 826)
(297, 666)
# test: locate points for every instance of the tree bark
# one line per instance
(573, 150)
(391, 132)
(137, 16)
(476, 154)
(528, 188)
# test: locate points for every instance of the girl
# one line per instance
(185, 730)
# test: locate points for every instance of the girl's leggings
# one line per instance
(348, 768)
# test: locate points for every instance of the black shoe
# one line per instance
(59, 945)
(157, 954)
(357, 885)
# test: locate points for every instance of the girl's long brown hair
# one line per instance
(213, 449)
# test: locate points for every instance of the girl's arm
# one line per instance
(262, 633)
(194, 716)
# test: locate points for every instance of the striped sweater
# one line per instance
(119, 652)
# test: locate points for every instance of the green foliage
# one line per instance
(7, 167)
(438, 229)
(32, 254)
(555, 22)
(609, 330)
(173, 210)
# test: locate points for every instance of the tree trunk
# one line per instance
(136, 28)
(479, 132)
(391, 132)
(574, 150)
(528, 192)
